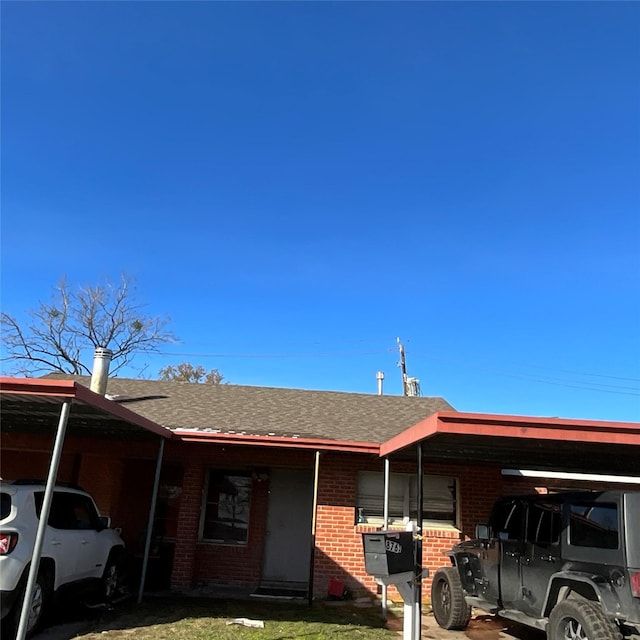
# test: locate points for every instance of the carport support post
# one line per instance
(420, 500)
(385, 524)
(314, 522)
(152, 514)
(44, 517)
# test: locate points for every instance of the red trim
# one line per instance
(69, 390)
(29, 386)
(278, 441)
(523, 427)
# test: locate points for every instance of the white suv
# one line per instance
(79, 548)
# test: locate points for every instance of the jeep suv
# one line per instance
(79, 549)
(567, 563)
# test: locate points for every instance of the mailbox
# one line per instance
(388, 552)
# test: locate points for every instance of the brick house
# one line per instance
(270, 489)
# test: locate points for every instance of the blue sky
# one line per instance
(298, 184)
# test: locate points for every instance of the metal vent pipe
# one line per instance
(100, 375)
(380, 379)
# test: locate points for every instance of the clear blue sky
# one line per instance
(297, 184)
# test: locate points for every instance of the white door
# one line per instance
(287, 549)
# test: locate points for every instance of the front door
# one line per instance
(287, 550)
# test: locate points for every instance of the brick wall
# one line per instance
(120, 475)
(339, 541)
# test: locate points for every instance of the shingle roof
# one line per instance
(249, 410)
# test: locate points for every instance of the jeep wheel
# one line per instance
(580, 620)
(447, 600)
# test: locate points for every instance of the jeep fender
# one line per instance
(564, 582)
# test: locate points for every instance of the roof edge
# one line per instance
(285, 442)
(521, 427)
(70, 390)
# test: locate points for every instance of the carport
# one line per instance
(512, 442)
(61, 408)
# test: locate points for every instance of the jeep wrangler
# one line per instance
(566, 563)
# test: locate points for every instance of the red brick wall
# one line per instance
(120, 475)
(197, 562)
(339, 541)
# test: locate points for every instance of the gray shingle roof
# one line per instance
(239, 409)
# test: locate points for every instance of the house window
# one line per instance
(439, 504)
(225, 516)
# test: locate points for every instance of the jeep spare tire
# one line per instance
(447, 600)
(581, 620)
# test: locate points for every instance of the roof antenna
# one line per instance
(410, 386)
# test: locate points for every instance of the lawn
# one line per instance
(205, 619)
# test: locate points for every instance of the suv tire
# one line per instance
(580, 620)
(112, 576)
(447, 600)
(37, 608)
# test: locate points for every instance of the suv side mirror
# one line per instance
(483, 532)
(104, 522)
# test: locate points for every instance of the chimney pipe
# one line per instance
(380, 378)
(99, 377)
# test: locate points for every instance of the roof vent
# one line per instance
(101, 361)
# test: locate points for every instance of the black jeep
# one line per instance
(567, 563)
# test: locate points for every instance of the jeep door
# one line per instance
(508, 522)
(541, 557)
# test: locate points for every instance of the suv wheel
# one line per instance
(447, 600)
(112, 576)
(37, 608)
(581, 620)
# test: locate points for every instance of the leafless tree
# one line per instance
(61, 335)
(186, 372)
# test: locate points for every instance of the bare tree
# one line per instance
(61, 335)
(186, 372)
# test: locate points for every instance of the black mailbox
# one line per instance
(388, 552)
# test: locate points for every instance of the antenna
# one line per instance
(410, 386)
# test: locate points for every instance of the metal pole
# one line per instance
(152, 514)
(420, 500)
(385, 524)
(44, 517)
(316, 475)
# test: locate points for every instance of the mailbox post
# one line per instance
(389, 556)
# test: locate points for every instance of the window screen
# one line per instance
(439, 498)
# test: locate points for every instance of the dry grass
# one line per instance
(205, 619)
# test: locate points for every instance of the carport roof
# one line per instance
(522, 442)
(33, 406)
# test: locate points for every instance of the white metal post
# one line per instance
(152, 514)
(385, 524)
(42, 523)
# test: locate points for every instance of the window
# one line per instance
(593, 525)
(69, 511)
(545, 523)
(507, 520)
(227, 505)
(438, 505)
(5, 505)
